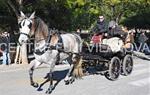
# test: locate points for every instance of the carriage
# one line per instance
(107, 62)
(112, 60)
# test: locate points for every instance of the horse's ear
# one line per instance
(22, 14)
(32, 15)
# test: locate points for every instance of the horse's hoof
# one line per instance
(39, 89)
(67, 82)
(72, 80)
(36, 85)
(47, 75)
(49, 91)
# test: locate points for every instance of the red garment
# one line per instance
(97, 39)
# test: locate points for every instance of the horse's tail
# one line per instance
(78, 72)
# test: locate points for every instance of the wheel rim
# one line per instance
(128, 65)
(114, 72)
(114, 69)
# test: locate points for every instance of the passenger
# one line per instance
(142, 40)
(115, 31)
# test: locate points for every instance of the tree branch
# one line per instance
(13, 8)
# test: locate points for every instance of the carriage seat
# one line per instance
(114, 43)
(96, 39)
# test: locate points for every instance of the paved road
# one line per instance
(14, 80)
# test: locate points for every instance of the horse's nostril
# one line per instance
(22, 41)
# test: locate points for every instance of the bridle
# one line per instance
(25, 34)
(47, 46)
(30, 25)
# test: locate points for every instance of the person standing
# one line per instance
(5, 48)
(78, 31)
(142, 41)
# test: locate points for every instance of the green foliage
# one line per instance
(69, 15)
(140, 21)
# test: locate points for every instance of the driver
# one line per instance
(101, 26)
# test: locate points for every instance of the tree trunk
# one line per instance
(119, 16)
(13, 8)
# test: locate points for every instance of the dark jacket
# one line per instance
(142, 38)
(100, 27)
(117, 32)
(5, 43)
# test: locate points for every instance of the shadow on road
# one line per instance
(57, 75)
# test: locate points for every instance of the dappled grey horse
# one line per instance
(45, 47)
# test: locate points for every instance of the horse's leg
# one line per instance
(40, 86)
(35, 64)
(51, 83)
(69, 79)
(76, 69)
(51, 86)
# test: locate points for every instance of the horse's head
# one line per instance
(25, 27)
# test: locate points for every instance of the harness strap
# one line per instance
(25, 34)
(46, 47)
(48, 39)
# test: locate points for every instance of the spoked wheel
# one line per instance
(114, 69)
(127, 65)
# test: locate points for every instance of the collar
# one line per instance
(59, 46)
(44, 48)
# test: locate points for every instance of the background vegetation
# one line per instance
(68, 15)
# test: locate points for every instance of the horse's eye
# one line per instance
(19, 25)
(30, 25)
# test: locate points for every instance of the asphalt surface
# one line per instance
(14, 80)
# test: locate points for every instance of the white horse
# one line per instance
(46, 50)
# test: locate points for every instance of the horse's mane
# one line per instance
(40, 27)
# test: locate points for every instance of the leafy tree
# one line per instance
(70, 14)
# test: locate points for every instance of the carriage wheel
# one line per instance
(114, 69)
(127, 65)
